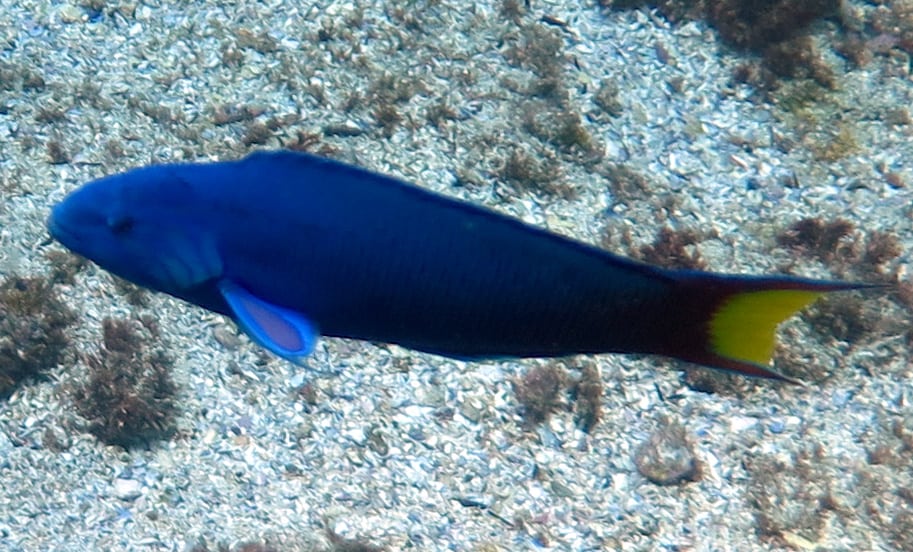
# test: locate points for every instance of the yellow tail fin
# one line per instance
(729, 322)
(744, 328)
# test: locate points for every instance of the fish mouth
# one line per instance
(59, 230)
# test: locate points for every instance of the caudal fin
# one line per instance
(732, 320)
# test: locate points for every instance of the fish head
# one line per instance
(141, 225)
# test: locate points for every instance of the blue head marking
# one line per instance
(140, 225)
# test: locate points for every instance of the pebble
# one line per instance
(127, 489)
(738, 424)
(667, 457)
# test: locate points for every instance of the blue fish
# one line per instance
(293, 246)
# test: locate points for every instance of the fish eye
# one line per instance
(120, 224)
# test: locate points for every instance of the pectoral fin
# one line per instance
(284, 332)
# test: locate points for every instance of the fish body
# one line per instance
(293, 246)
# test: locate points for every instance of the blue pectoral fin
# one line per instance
(284, 332)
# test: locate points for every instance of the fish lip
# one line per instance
(59, 231)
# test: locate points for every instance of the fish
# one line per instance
(293, 246)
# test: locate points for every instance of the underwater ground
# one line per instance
(757, 137)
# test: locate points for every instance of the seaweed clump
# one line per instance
(888, 480)
(836, 242)
(33, 321)
(812, 496)
(881, 248)
(815, 237)
(587, 395)
(128, 397)
(551, 128)
(65, 266)
(549, 115)
(715, 382)
(845, 319)
(527, 171)
(539, 391)
(792, 496)
(547, 388)
(759, 24)
(777, 30)
(673, 249)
